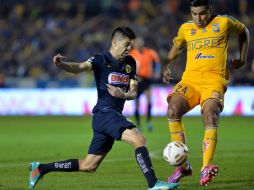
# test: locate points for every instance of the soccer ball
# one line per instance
(175, 153)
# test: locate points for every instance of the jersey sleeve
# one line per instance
(179, 40)
(132, 62)
(234, 25)
(96, 61)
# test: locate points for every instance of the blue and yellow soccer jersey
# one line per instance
(207, 47)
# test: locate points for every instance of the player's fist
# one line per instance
(115, 91)
(57, 59)
(235, 64)
(166, 74)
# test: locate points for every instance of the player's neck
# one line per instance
(114, 54)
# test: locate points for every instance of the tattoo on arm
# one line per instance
(74, 67)
(132, 93)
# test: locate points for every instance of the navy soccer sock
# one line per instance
(137, 117)
(144, 161)
(149, 108)
(62, 166)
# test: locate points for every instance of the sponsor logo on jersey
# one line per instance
(118, 78)
(216, 27)
(201, 56)
(193, 32)
(210, 42)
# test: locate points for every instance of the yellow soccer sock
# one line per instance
(209, 145)
(177, 133)
(177, 130)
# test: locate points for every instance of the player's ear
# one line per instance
(113, 42)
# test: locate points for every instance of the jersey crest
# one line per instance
(216, 27)
(127, 69)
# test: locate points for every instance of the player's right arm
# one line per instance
(174, 52)
(72, 67)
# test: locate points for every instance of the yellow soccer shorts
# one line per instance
(196, 93)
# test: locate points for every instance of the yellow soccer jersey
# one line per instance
(207, 47)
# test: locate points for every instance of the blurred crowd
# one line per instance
(32, 31)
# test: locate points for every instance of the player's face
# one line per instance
(123, 47)
(201, 15)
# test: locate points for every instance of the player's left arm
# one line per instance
(119, 93)
(244, 41)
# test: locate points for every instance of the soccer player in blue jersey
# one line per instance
(115, 76)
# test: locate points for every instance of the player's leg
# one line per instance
(184, 97)
(210, 111)
(89, 164)
(149, 109)
(177, 107)
(100, 145)
(137, 101)
(137, 140)
(137, 115)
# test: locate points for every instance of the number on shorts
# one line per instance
(181, 88)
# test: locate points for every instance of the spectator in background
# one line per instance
(148, 67)
(2, 80)
(28, 28)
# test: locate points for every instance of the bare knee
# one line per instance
(139, 141)
(177, 107)
(211, 115)
(173, 111)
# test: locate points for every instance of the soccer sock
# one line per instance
(209, 144)
(149, 107)
(177, 130)
(137, 117)
(144, 161)
(62, 166)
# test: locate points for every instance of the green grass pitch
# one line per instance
(47, 139)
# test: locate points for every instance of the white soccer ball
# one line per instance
(176, 153)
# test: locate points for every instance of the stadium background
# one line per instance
(32, 32)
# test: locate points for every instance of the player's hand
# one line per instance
(166, 74)
(115, 91)
(235, 64)
(58, 59)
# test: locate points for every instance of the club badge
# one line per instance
(127, 69)
(216, 27)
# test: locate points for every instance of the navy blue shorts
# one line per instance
(108, 126)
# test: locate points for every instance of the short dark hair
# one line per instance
(124, 31)
(195, 3)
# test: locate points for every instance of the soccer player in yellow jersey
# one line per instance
(204, 80)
